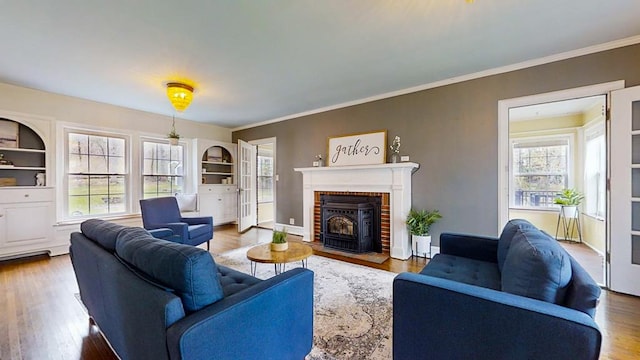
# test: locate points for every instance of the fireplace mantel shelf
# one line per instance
(393, 178)
(412, 165)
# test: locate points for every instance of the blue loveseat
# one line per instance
(520, 296)
(156, 299)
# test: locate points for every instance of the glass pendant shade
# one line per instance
(180, 95)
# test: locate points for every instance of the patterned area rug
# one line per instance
(352, 306)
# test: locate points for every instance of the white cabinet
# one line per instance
(217, 193)
(219, 201)
(27, 211)
(26, 220)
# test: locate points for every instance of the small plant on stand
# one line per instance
(568, 199)
(419, 222)
(279, 240)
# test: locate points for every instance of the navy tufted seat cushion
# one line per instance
(464, 270)
(233, 281)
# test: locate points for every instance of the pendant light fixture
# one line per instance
(180, 95)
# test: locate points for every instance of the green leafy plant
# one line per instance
(568, 197)
(173, 134)
(279, 237)
(420, 221)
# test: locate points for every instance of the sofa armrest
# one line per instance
(270, 320)
(198, 220)
(482, 248)
(460, 321)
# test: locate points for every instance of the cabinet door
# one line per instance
(211, 205)
(24, 224)
(230, 204)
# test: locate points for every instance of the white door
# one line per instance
(625, 191)
(247, 202)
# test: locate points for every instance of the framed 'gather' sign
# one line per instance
(357, 149)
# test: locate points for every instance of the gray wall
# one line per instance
(451, 131)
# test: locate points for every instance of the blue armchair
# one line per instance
(163, 213)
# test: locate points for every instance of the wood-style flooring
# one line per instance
(41, 319)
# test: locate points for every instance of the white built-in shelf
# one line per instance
(635, 166)
(22, 150)
(217, 163)
(2, 167)
(217, 173)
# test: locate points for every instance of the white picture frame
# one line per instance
(357, 149)
(9, 134)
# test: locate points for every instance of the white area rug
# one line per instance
(352, 306)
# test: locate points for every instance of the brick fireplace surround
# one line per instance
(390, 181)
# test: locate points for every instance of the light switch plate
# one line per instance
(404, 158)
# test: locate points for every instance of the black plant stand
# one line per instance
(569, 224)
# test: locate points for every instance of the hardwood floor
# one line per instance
(40, 317)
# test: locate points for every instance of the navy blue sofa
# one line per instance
(157, 299)
(520, 296)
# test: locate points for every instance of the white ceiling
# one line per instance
(556, 109)
(254, 61)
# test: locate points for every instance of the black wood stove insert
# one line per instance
(351, 222)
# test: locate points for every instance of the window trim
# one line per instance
(186, 177)
(63, 193)
(598, 128)
(555, 136)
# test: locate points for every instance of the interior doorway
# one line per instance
(265, 184)
(551, 142)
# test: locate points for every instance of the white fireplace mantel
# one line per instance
(394, 179)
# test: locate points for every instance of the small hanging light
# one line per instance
(180, 95)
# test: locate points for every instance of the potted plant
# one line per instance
(419, 222)
(568, 199)
(279, 240)
(173, 137)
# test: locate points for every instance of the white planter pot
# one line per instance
(279, 247)
(569, 211)
(173, 141)
(421, 245)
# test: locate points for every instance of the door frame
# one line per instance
(504, 152)
(503, 131)
(271, 140)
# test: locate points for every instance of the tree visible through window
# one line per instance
(540, 171)
(96, 175)
(163, 169)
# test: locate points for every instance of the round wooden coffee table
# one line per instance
(263, 254)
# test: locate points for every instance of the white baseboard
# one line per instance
(293, 230)
(434, 250)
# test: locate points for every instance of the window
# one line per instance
(163, 169)
(595, 168)
(540, 170)
(97, 173)
(265, 179)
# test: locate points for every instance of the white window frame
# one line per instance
(64, 189)
(596, 129)
(185, 164)
(569, 137)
